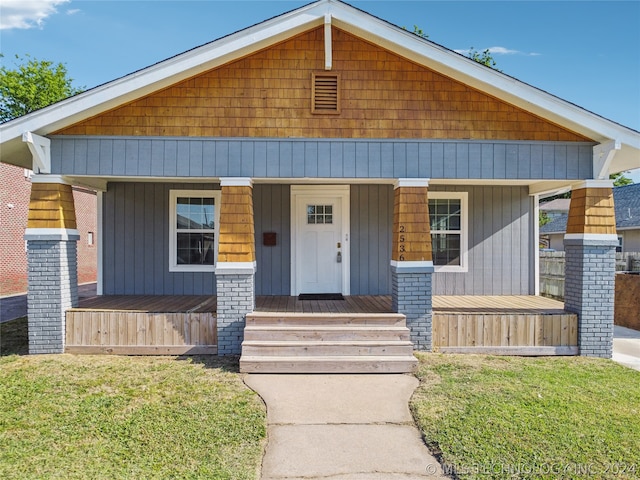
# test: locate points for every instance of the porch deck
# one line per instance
(131, 324)
(351, 304)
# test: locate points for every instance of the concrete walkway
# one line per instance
(342, 427)
(626, 347)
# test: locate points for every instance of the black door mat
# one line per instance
(320, 296)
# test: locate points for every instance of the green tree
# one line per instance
(31, 85)
(619, 180)
(484, 57)
(543, 218)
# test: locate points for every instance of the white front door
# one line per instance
(320, 244)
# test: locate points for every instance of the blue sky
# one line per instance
(586, 52)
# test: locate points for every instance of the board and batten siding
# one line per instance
(371, 211)
(500, 244)
(371, 222)
(136, 243)
(272, 214)
(136, 246)
(183, 157)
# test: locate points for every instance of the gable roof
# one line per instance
(627, 206)
(270, 32)
(559, 204)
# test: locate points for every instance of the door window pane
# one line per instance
(319, 214)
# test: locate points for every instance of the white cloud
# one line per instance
(73, 11)
(499, 51)
(26, 14)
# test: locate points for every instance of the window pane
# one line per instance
(446, 248)
(195, 213)
(319, 214)
(454, 222)
(195, 249)
(444, 214)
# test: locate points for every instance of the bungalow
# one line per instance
(323, 151)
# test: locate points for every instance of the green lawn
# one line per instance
(109, 417)
(511, 417)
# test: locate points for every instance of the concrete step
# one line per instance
(328, 364)
(326, 333)
(317, 319)
(317, 348)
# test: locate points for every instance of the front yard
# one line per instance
(512, 417)
(65, 416)
(109, 417)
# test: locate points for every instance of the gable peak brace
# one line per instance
(40, 148)
(603, 154)
(328, 58)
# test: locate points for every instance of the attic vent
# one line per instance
(324, 95)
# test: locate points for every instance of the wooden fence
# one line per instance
(552, 271)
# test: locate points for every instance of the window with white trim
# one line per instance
(193, 230)
(449, 233)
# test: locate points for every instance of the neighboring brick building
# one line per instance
(15, 189)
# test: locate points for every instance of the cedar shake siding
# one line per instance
(269, 94)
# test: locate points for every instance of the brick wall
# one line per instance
(87, 220)
(589, 292)
(52, 275)
(236, 298)
(15, 190)
(411, 296)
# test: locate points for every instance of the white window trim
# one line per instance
(173, 260)
(464, 230)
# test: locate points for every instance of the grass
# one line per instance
(511, 417)
(110, 417)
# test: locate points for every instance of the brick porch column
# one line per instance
(411, 259)
(51, 237)
(236, 265)
(590, 246)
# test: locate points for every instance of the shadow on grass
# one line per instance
(14, 337)
(229, 364)
(14, 340)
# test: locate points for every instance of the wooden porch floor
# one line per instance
(351, 304)
(512, 325)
